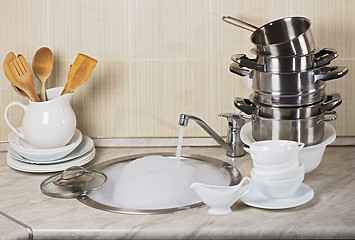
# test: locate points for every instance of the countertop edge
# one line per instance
(28, 228)
(171, 142)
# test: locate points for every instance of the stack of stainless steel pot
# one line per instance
(288, 79)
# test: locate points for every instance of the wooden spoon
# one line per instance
(79, 72)
(42, 65)
(23, 77)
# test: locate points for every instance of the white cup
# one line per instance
(270, 153)
(47, 124)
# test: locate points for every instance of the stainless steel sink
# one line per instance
(235, 178)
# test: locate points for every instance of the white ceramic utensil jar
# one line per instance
(47, 124)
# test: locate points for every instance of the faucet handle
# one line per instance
(235, 121)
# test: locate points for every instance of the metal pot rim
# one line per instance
(275, 21)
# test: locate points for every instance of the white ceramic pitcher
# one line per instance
(47, 124)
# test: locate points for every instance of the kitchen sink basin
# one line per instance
(99, 198)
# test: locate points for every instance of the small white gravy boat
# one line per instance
(220, 198)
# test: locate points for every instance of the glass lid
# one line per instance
(73, 182)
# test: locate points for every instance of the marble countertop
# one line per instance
(330, 214)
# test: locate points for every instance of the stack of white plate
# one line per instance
(23, 157)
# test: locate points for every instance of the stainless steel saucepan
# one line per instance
(282, 37)
(292, 83)
(291, 100)
(309, 131)
(267, 63)
(281, 113)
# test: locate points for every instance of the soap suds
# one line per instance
(156, 182)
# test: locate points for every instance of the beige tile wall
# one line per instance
(160, 58)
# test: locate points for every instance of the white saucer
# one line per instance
(255, 199)
(43, 154)
(85, 146)
(35, 168)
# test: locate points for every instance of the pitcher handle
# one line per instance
(248, 150)
(241, 183)
(16, 130)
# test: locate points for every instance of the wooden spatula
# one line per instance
(79, 72)
(19, 74)
(8, 59)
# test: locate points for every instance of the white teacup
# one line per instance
(274, 152)
(47, 124)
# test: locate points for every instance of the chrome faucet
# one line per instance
(233, 145)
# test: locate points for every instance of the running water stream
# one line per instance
(179, 144)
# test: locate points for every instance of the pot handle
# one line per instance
(244, 61)
(329, 119)
(235, 68)
(241, 24)
(324, 56)
(245, 105)
(332, 101)
(329, 73)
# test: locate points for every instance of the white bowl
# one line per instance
(289, 174)
(32, 153)
(312, 155)
(277, 189)
(274, 152)
(276, 169)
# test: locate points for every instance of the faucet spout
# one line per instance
(233, 145)
(183, 121)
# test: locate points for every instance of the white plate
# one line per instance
(44, 154)
(85, 146)
(35, 168)
(256, 199)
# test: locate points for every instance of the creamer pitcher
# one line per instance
(47, 124)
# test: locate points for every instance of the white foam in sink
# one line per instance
(156, 182)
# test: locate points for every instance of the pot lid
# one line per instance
(73, 182)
